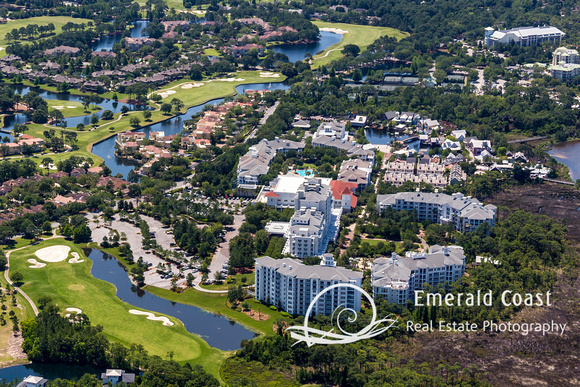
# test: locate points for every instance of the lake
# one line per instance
(296, 52)
(568, 153)
(219, 331)
(47, 371)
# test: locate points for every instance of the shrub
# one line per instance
(272, 307)
(286, 314)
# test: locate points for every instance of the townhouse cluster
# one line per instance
(24, 144)
(210, 121)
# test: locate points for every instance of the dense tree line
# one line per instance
(52, 338)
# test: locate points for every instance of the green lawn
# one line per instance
(237, 281)
(40, 21)
(212, 52)
(216, 303)
(71, 285)
(212, 89)
(177, 4)
(66, 110)
(360, 35)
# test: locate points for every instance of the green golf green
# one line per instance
(73, 286)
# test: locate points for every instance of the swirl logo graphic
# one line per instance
(312, 336)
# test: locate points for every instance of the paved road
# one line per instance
(222, 256)
(263, 120)
(135, 240)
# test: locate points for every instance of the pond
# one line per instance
(219, 331)
(106, 42)
(106, 148)
(296, 52)
(47, 371)
(380, 137)
(568, 153)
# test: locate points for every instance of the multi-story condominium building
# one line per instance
(332, 129)
(256, 162)
(565, 72)
(290, 285)
(306, 233)
(396, 278)
(281, 192)
(312, 194)
(463, 212)
(352, 149)
(564, 55)
(356, 171)
(523, 36)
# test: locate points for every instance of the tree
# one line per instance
(134, 121)
(261, 241)
(94, 119)
(47, 227)
(147, 115)
(107, 115)
(351, 50)
(166, 108)
(82, 234)
(16, 277)
(177, 104)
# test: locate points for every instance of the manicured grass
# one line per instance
(77, 110)
(72, 285)
(16, 243)
(212, 52)
(360, 35)
(177, 4)
(216, 303)
(58, 22)
(238, 281)
(212, 89)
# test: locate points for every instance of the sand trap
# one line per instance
(170, 92)
(269, 75)
(71, 107)
(151, 316)
(73, 310)
(165, 94)
(191, 85)
(58, 107)
(35, 264)
(231, 79)
(53, 253)
(75, 258)
(335, 30)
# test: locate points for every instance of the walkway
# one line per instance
(7, 274)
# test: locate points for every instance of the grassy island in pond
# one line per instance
(71, 285)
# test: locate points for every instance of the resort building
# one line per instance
(523, 36)
(463, 212)
(356, 171)
(115, 376)
(290, 285)
(563, 55)
(396, 278)
(255, 163)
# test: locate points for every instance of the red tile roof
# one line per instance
(272, 195)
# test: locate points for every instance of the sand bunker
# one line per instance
(151, 316)
(53, 253)
(269, 75)
(73, 310)
(167, 93)
(75, 258)
(35, 264)
(58, 107)
(71, 107)
(335, 30)
(191, 85)
(231, 79)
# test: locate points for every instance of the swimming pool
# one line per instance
(305, 172)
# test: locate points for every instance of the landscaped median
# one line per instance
(71, 285)
(359, 35)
